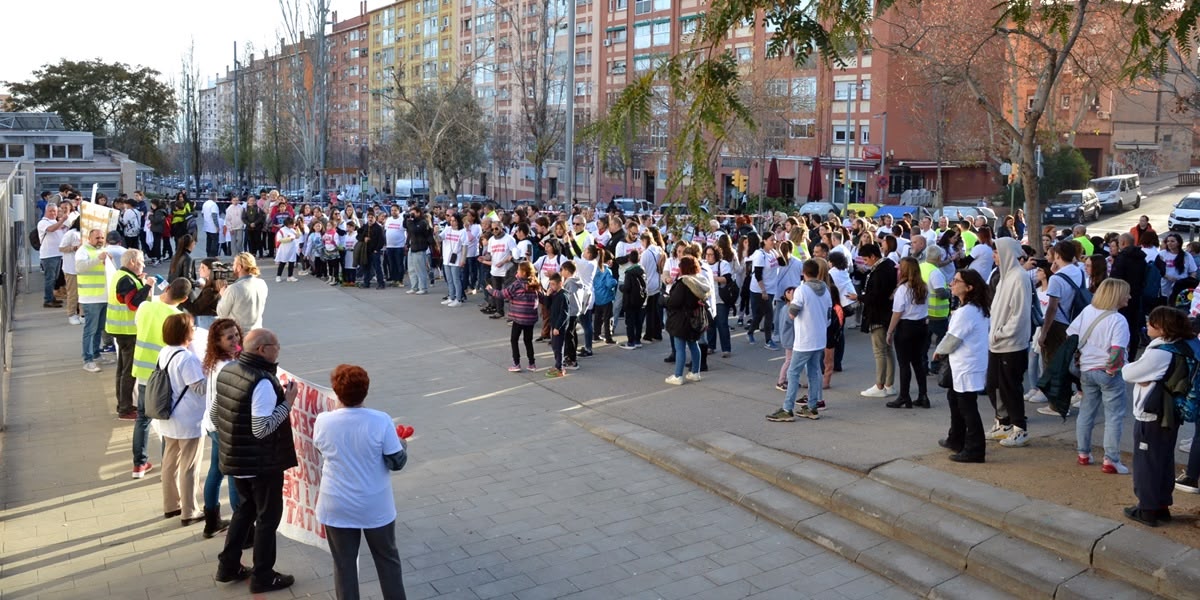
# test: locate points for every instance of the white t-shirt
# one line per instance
(844, 285)
(759, 259)
(722, 268)
(70, 239)
(393, 232)
(1172, 273)
(452, 245)
(1112, 331)
(184, 371)
(1064, 292)
(210, 395)
(500, 248)
(288, 250)
(981, 260)
(968, 362)
(51, 240)
(547, 266)
(471, 243)
(356, 488)
(771, 272)
(902, 302)
(812, 322)
(210, 213)
(931, 237)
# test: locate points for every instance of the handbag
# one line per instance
(945, 377)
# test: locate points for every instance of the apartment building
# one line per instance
(349, 96)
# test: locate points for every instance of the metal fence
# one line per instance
(12, 231)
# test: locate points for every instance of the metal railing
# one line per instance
(12, 199)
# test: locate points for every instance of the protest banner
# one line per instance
(301, 484)
(93, 216)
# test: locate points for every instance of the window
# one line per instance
(776, 132)
(584, 28)
(617, 36)
(14, 151)
(467, 48)
(1065, 100)
(777, 87)
(864, 134)
(641, 64)
(803, 128)
(619, 5)
(662, 4)
(641, 7)
(804, 94)
(839, 134)
(744, 55)
(687, 26)
(616, 67)
(658, 134)
(641, 36)
(583, 59)
(583, 88)
(902, 181)
(388, 38)
(843, 90)
(662, 33)
(864, 87)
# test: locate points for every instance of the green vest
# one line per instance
(939, 308)
(119, 319)
(150, 317)
(91, 282)
(969, 239)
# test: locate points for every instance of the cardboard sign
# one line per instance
(302, 484)
(93, 216)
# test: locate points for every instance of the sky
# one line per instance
(151, 33)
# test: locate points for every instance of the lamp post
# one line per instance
(851, 94)
(570, 126)
(882, 152)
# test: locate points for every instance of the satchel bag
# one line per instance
(945, 377)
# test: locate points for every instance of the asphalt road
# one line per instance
(1160, 198)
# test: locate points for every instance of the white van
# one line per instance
(1118, 192)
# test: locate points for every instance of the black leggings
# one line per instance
(602, 321)
(517, 332)
(332, 266)
(291, 267)
(911, 341)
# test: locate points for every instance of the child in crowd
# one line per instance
(313, 248)
(350, 270)
(555, 302)
(522, 298)
(604, 286)
(578, 297)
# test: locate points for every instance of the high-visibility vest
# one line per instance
(969, 239)
(91, 282)
(149, 317)
(118, 320)
(939, 308)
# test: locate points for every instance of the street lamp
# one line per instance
(882, 152)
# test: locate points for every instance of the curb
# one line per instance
(913, 570)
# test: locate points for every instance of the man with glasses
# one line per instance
(581, 238)
(500, 257)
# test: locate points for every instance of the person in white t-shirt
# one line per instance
(965, 346)
(182, 432)
(50, 230)
(982, 254)
(360, 447)
(1103, 336)
(211, 214)
(395, 242)
(68, 245)
(908, 332)
(499, 257)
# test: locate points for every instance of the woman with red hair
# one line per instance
(360, 446)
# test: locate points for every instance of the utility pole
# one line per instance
(851, 94)
(237, 125)
(322, 96)
(570, 130)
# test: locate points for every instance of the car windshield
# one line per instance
(1100, 185)
(1189, 204)
(1071, 198)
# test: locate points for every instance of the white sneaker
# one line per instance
(1037, 397)
(693, 377)
(422, 292)
(874, 392)
(1050, 412)
(1076, 399)
(454, 303)
(997, 432)
(445, 302)
(1016, 439)
(673, 380)
(74, 320)
(293, 279)
(410, 291)
(278, 279)
(890, 390)
(1186, 445)
(91, 367)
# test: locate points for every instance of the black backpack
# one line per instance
(1079, 301)
(35, 240)
(160, 399)
(729, 292)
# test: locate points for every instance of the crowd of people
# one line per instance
(981, 312)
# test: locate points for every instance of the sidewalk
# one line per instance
(502, 497)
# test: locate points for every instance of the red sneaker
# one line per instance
(139, 471)
(1084, 460)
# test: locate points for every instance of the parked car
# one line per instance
(897, 211)
(958, 213)
(1118, 192)
(819, 209)
(631, 206)
(866, 208)
(1073, 206)
(1186, 213)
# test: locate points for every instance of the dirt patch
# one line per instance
(1046, 470)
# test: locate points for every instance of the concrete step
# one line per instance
(912, 569)
(1117, 549)
(1050, 564)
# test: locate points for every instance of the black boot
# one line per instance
(213, 523)
(899, 403)
(670, 359)
(921, 402)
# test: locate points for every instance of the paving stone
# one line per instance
(1133, 554)
(1012, 564)
(814, 481)
(914, 571)
(942, 534)
(1181, 577)
(873, 505)
(966, 587)
(839, 534)
(1072, 533)
(1091, 586)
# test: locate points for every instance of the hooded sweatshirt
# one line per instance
(1011, 326)
(810, 315)
(681, 302)
(578, 296)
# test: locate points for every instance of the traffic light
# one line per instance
(739, 180)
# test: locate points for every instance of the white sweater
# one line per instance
(244, 301)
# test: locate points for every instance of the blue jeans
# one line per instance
(204, 321)
(454, 283)
(810, 361)
(473, 274)
(141, 428)
(374, 267)
(1101, 389)
(212, 244)
(691, 347)
(93, 326)
(420, 264)
(50, 269)
(396, 259)
(586, 321)
(720, 327)
(212, 483)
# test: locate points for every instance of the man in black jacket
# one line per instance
(876, 301)
(255, 446)
(371, 238)
(420, 238)
(1130, 265)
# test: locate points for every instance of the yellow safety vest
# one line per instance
(939, 308)
(119, 319)
(149, 317)
(969, 240)
(91, 282)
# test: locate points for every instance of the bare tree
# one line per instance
(306, 98)
(189, 94)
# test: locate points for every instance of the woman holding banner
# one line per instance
(359, 447)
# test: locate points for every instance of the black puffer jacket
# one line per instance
(239, 451)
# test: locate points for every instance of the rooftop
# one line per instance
(31, 122)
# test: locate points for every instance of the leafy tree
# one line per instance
(462, 150)
(1063, 169)
(129, 106)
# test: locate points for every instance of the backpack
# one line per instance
(1154, 275)
(729, 292)
(35, 240)
(160, 399)
(1182, 381)
(837, 318)
(1081, 299)
(699, 319)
